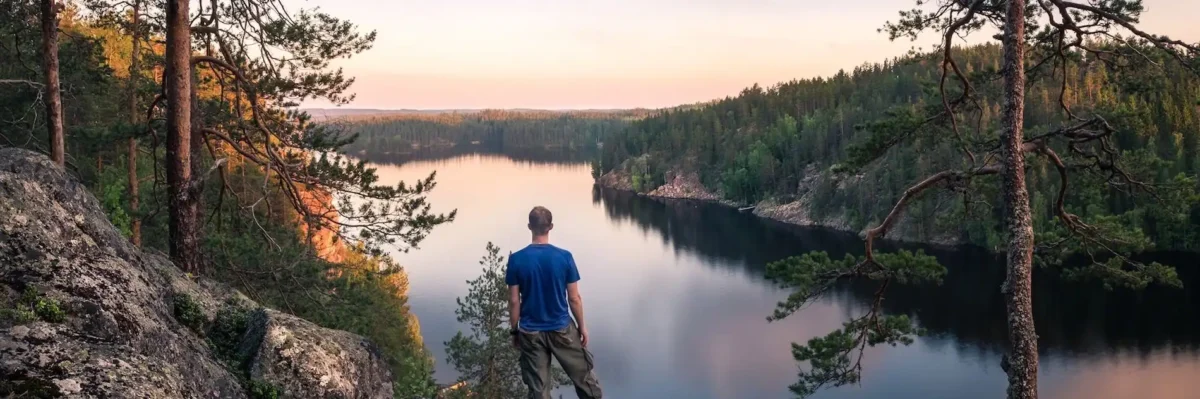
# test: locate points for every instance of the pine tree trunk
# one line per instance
(1022, 357)
(184, 214)
(54, 116)
(197, 144)
(134, 72)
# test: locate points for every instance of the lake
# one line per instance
(676, 300)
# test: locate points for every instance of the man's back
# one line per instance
(542, 272)
(543, 294)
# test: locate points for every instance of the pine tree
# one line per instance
(1085, 141)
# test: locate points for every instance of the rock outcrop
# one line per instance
(87, 315)
(314, 362)
(684, 185)
(616, 180)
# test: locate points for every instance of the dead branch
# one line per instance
(1171, 46)
(31, 83)
(948, 60)
(951, 176)
(197, 183)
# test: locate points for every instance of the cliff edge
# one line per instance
(83, 314)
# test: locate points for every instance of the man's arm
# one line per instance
(514, 306)
(576, 302)
(514, 312)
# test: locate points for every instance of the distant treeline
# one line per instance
(509, 129)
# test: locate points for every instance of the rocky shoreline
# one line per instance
(798, 212)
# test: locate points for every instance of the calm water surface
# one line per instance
(676, 301)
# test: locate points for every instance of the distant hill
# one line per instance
(403, 131)
(323, 114)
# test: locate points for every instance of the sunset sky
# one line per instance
(622, 53)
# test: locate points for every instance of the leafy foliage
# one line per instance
(262, 390)
(188, 312)
(225, 336)
(836, 358)
(32, 306)
(813, 274)
(830, 356)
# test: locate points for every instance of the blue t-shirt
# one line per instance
(542, 271)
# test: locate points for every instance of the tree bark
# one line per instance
(197, 144)
(184, 212)
(131, 159)
(54, 116)
(1022, 356)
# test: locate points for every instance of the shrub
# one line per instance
(33, 306)
(262, 390)
(48, 310)
(189, 313)
(226, 333)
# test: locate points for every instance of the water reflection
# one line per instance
(677, 301)
(1125, 331)
(727, 237)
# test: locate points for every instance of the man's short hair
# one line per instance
(540, 220)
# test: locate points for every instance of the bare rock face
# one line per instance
(83, 314)
(684, 185)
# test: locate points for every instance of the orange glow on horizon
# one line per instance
(622, 53)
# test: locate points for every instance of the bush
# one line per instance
(17, 315)
(189, 313)
(226, 333)
(262, 390)
(48, 310)
(32, 306)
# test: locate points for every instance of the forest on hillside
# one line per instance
(581, 130)
(186, 136)
(803, 139)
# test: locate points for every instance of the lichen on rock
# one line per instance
(306, 361)
(105, 325)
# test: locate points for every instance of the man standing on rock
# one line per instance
(543, 282)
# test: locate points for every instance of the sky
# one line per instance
(575, 54)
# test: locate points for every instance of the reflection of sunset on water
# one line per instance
(1159, 375)
(677, 305)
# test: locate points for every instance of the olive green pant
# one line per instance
(565, 345)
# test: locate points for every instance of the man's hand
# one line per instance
(516, 341)
(576, 302)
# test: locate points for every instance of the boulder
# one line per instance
(684, 185)
(306, 361)
(87, 315)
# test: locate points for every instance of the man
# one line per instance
(543, 282)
